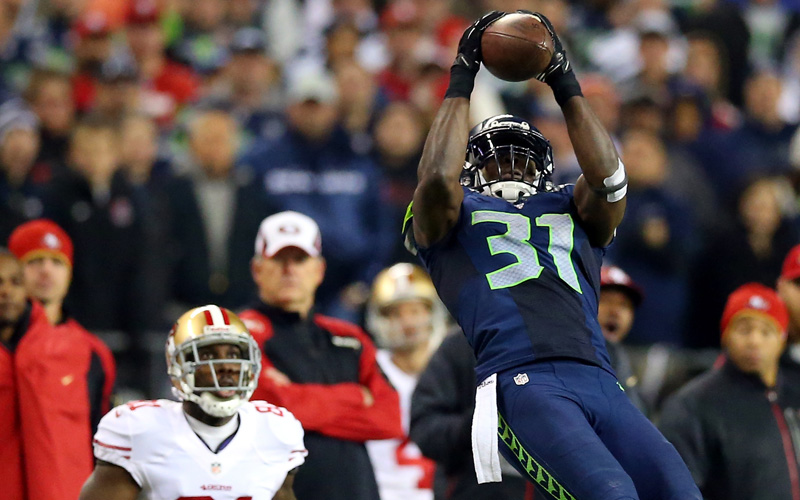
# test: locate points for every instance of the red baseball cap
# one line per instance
(614, 277)
(93, 23)
(40, 237)
(791, 264)
(755, 299)
(142, 12)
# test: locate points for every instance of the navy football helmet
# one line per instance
(507, 158)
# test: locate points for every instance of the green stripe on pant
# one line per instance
(536, 472)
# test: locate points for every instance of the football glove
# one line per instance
(468, 60)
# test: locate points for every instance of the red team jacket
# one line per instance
(61, 377)
(336, 410)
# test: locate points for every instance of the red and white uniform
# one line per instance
(152, 440)
(402, 472)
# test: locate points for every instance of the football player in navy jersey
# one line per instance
(517, 261)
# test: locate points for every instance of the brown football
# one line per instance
(516, 47)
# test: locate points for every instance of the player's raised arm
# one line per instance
(600, 191)
(437, 199)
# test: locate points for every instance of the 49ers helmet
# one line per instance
(399, 283)
(204, 326)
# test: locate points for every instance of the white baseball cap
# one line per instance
(288, 229)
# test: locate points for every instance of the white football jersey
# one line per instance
(152, 440)
(402, 472)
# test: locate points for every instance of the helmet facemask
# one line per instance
(508, 158)
(184, 362)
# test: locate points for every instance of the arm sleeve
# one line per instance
(113, 442)
(442, 404)
(682, 426)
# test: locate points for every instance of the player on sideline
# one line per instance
(213, 445)
(517, 261)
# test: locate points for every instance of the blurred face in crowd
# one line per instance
(47, 279)
(214, 141)
(250, 72)
(643, 116)
(357, 86)
(12, 291)
(139, 138)
(93, 152)
(615, 313)
(653, 50)
(604, 101)
(400, 132)
(687, 120)
(92, 50)
(312, 118)
(761, 95)
(289, 279)
(754, 344)
(410, 323)
(145, 40)
(52, 102)
(204, 15)
(789, 291)
(241, 12)
(18, 151)
(645, 158)
(703, 64)
(759, 208)
(341, 43)
(117, 98)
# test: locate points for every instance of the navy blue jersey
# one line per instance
(522, 281)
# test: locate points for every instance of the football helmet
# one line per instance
(204, 326)
(399, 283)
(507, 158)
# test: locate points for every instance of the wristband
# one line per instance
(564, 87)
(462, 81)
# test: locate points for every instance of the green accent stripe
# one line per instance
(536, 472)
(408, 216)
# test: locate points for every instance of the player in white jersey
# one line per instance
(214, 444)
(408, 321)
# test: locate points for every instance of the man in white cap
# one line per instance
(320, 368)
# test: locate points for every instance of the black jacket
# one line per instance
(441, 421)
(738, 438)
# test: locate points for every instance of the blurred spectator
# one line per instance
(705, 68)
(93, 48)
(19, 319)
(321, 369)
(312, 169)
(21, 46)
(68, 381)
(117, 91)
(213, 212)
(166, 85)
(94, 203)
(734, 425)
(762, 143)
(399, 136)
(49, 95)
(359, 102)
(752, 250)
(604, 99)
(249, 87)
(441, 421)
(655, 241)
(619, 298)
(139, 155)
(408, 48)
(407, 319)
(20, 194)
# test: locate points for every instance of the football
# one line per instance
(516, 47)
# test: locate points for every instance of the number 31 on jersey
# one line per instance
(516, 241)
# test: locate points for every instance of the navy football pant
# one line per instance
(569, 428)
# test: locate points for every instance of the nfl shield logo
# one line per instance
(521, 378)
(216, 468)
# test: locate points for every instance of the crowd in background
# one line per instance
(159, 133)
